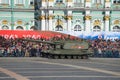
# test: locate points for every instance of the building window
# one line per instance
(5, 27)
(77, 28)
(19, 28)
(59, 1)
(77, 20)
(4, 1)
(116, 29)
(31, 2)
(77, 1)
(96, 29)
(33, 28)
(97, 1)
(116, 1)
(19, 1)
(59, 28)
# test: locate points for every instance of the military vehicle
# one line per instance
(65, 49)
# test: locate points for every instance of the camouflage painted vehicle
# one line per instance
(68, 49)
(65, 49)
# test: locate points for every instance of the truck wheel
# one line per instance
(74, 57)
(69, 57)
(85, 57)
(56, 56)
(79, 57)
(50, 56)
(62, 57)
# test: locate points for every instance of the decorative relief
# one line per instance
(4, 22)
(59, 22)
(117, 22)
(87, 17)
(50, 17)
(51, 0)
(107, 0)
(43, 0)
(107, 17)
(87, 0)
(42, 17)
(69, 0)
(69, 17)
(97, 23)
(19, 22)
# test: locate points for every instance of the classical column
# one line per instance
(87, 23)
(69, 3)
(42, 17)
(107, 3)
(107, 17)
(50, 18)
(69, 22)
(88, 3)
(50, 3)
(43, 3)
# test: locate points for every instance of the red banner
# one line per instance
(20, 34)
(8, 34)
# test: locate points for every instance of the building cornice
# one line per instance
(16, 10)
(79, 9)
(69, 0)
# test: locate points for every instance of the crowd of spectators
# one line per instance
(106, 48)
(22, 48)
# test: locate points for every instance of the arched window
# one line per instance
(98, 1)
(96, 28)
(5, 1)
(77, 28)
(33, 28)
(77, 1)
(59, 28)
(116, 29)
(5, 27)
(19, 2)
(31, 2)
(59, 1)
(116, 1)
(19, 28)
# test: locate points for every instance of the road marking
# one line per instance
(4, 78)
(40, 68)
(51, 71)
(81, 67)
(13, 74)
(73, 76)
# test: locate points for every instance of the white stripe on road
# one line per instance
(81, 67)
(73, 76)
(13, 74)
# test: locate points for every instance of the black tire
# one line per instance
(56, 57)
(79, 57)
(69, 57)
(62, 56)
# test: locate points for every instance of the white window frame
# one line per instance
(96, 29)
(77, 1)
(98, 1)
(4, 1)
(17, 2)
(77, 28)
(116, 29)
(58, 1)
(116, 1)
(30, 1)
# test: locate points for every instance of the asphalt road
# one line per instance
(59, 69)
